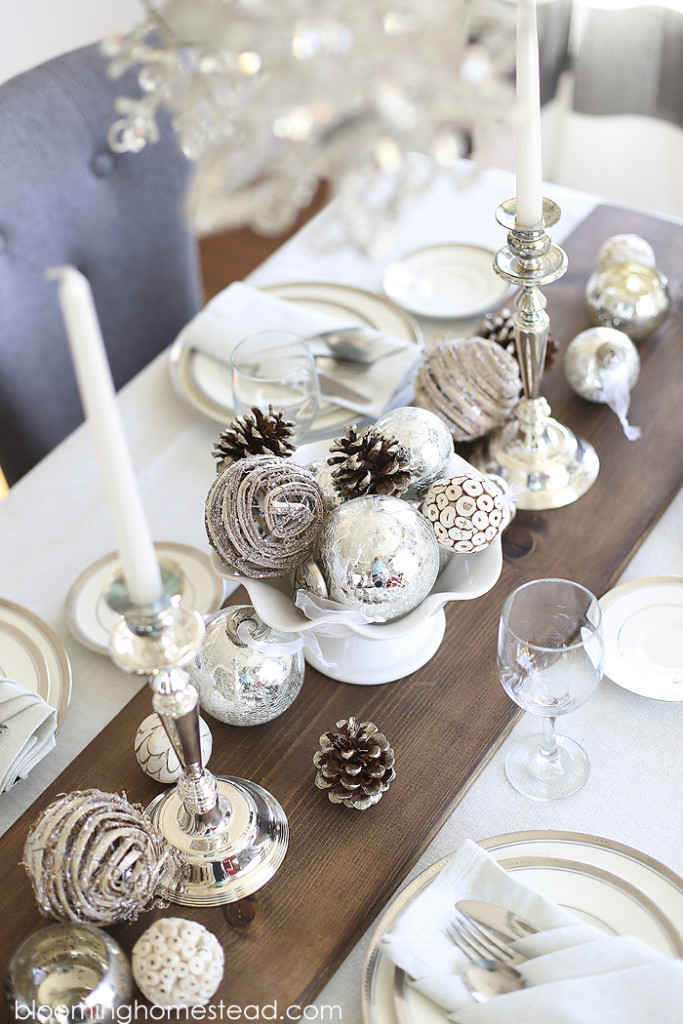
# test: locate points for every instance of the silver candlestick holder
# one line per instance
(228, 835)
(544, 463)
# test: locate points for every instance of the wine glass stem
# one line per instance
(548, 749)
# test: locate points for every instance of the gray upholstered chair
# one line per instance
(65, 197)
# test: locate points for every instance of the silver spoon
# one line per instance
(486, 979)
(354, 344)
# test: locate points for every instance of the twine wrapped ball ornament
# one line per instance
(378, 555)
(263, 515)
(425, 438)
(93, 857)
(473, 384)
(355, 764)
(466, 512)
(177, 963)
(154, 751)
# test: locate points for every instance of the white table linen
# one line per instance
(54, 524)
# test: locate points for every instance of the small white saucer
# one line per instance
(449, 281)
(90, 618)
(643, 632)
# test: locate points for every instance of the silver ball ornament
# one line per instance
(245, 672)
(625, 248)
(600, 360)
(322, 472)
(425, 437)
(378, 554)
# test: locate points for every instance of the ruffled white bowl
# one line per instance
(374, 652)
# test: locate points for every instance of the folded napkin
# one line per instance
(28, 734)
(240, 310)
(576, 973)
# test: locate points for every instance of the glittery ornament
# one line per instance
(378, 554)
(95, 858)
(472, 383)
(246, 672)
(355, 764)
(263, 515)
(368, 462)
(155, 753)
(426, 439)
(466, 512)
(255, 433)
(625, 248)
(177, 963)
(602, 364)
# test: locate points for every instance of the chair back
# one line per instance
(65, 197)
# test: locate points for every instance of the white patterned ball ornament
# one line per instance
(177, 963)
(466, 512)
(625, 248)
(154, 751)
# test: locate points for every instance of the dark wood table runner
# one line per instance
(444, 721)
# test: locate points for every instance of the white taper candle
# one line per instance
(529, 152)
(98, 396)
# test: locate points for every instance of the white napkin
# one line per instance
(29, 733)
(240, 310)
(576, 974)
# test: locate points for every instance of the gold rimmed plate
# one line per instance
(90, 618)
(32, 655)
(608, 884)
(205, 384)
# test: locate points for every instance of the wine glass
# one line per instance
(276, 368)
(550, 658)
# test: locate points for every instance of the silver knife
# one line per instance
(502, 924)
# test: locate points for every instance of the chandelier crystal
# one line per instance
(271, 97)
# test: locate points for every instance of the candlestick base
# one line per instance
(228, 836)
(221, 861)
(541, 460)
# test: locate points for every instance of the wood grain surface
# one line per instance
(444, 720)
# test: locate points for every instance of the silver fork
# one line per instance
(476, 943)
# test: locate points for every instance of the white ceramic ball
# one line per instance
(177, 963)
(154, 752)
(425, 437)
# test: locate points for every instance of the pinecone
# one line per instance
(355, 764)
(369, 463)
(255, 433)
(500, 327)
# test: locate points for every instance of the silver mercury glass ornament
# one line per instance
(246, 673)
(425, 437)
(378, 554)
(228, 835)
(69, 973)
(545, 464)
(631, 297)
(602, 365)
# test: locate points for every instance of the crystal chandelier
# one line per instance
(271, 97)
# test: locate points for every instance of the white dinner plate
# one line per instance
(205, 384)
(607, 884)
(90, 618)
(643, 631)
(447, 281)
(31, 655)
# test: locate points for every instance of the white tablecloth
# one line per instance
(54, 524)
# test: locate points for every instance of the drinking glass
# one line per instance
(550, 659)
(276, 368)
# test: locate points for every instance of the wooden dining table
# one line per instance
(301, 940)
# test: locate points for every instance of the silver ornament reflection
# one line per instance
(378, 554)
(243, 684)
(425, 437)
(71, 972)
(630, 297)
(323, 474)
(599, 361)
